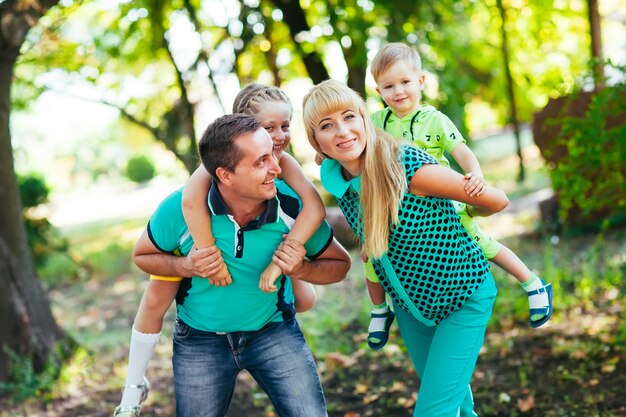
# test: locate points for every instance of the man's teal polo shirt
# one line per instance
(247, 251)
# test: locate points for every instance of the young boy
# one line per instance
(397, 71)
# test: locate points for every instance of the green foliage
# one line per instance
(60, 268)
(621, 337)
(592, 178)
(33, 190)
(111, 47)
(586, 273)
(24, 381)
(43, 239)
(110, 261)
(140, 169)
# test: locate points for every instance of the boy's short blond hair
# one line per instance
(392, 53)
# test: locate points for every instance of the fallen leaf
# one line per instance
(361, 389)
(608, 368)
(336, 360)
(397, 386)
(408, 402)
(526, 404)
(370, 398)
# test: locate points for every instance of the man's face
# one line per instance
(254, 175)
(401, 87)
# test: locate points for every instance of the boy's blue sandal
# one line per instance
(381, 335)
(546, 312)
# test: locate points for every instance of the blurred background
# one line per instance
(101, 106)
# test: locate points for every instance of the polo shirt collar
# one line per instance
(218, 207)
(334, 182)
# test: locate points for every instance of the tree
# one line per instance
(131, 45)
(595, 32)
(28, 327)
(510, 89)
(184, 56)
(295, 17)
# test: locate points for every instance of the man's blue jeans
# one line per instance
(206, 366)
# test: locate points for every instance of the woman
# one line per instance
(398, 201)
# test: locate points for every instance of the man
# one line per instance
(222, 330)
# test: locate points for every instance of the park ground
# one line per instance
(575, 366)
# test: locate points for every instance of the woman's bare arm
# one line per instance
(439, 181)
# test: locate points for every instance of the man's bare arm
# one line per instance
(202, 262)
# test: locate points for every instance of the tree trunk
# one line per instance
(296, 20)
(595, 32)
(356, 78)
(511, 90)
(27, 327)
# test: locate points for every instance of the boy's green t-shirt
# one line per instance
(426, 128)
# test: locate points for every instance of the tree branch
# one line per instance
(128, 116)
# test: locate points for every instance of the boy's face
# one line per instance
(401, 87)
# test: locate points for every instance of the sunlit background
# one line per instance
(109, 97)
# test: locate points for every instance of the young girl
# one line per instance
(272, 108)
(398, 201)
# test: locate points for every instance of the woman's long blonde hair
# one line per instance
(383, 180)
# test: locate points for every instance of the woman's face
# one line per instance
(341, 135)
(275, 118)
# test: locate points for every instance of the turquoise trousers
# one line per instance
(445, 355)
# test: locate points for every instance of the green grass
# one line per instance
(584, 271)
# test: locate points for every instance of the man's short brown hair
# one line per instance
(217, 147)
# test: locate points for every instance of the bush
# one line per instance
(43, 238)
(590, 177)
(140, 169)
(33, 190)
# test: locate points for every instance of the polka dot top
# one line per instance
(432, 265)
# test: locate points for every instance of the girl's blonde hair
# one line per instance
(392, 53)
(252, 96)
(383, 180)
